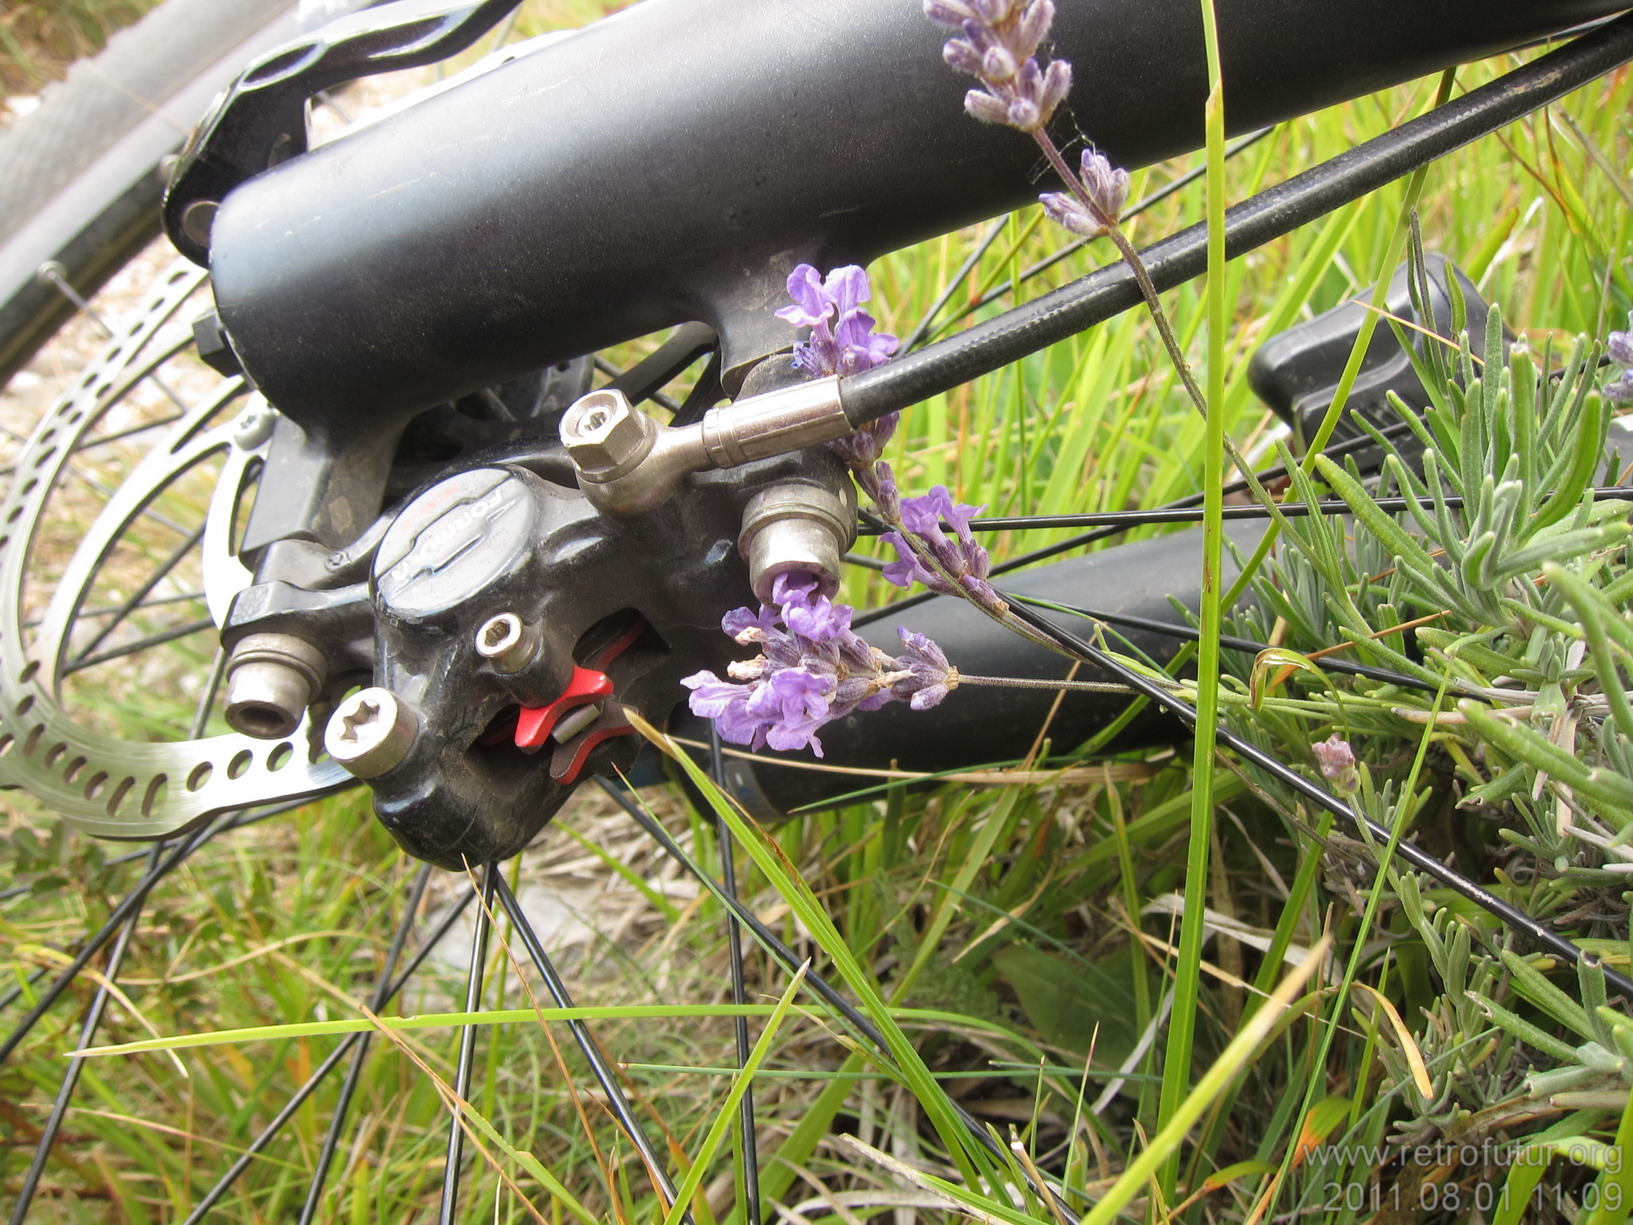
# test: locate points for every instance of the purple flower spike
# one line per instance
(1107, 188)
(727, 705)
(999, 48)
(1067, 211)
(821, 620)
(1106, 184)
(842, 339)
(742, 625)
(1337, 762)
(796, 586)
(1619, 347)
(930, 678)
(962, 558)
(813, 669)
(867, 444)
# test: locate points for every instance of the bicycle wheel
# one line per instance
(82, 178)
(104, 581)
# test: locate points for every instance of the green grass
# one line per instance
(1016, 945)
(40, 39)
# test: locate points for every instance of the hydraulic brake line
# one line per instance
(1277, 211)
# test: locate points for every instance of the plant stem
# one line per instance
(1024, 682)
(1159, 316)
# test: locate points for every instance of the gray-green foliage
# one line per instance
(1515, 572)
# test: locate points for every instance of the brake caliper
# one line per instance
(512, 616)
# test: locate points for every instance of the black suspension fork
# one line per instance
(675, 162)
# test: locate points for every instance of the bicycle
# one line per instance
(257, 773)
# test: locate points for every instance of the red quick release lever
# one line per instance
(588, 684)
(535, 723)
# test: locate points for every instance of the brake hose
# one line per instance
(1277, 211)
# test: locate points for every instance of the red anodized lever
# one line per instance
(535, 723)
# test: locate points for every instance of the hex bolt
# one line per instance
(797, 525)
(271, 680)
(371, 732)
(214, 347)
(508, 643)
(606, 435)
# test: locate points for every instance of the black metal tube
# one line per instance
(674, 162)
(1301, 199)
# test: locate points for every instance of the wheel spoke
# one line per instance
(70, 1078)
(350, 1042)
(188, 446)
(602, 1069)
(226, 824)
(739, 995)
(921, 330)
(118, 615)
(128, 908)
(1126, 519)
(184, 597)
(141, 644)
(52, 273)
(491, 876)
(1229, 642)
(1420, 860)
(768, 940)
(360, 1051)
(1115, 523)
(206, 700)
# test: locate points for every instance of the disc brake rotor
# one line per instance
(117, 565)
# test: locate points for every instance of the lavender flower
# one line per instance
(1619, 347)
(959, 559)
(932, 679)
(1107, 188)
(842, 340)
(1337, 762)
(812, 670)
(999, 49)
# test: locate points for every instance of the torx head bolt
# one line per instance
(606, 435)
(371, 732)
(252, 428)
(507, 642)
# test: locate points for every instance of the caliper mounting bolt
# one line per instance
(371, 732)
(797, 525)
(271, 680)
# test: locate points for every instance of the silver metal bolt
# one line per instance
(271, 680)
(797, 525)
(197, 219)
(508, 642)
(606, 435)
(627, 463)
(252, 428)
(371, 732)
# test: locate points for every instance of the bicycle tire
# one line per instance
(81, 176)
